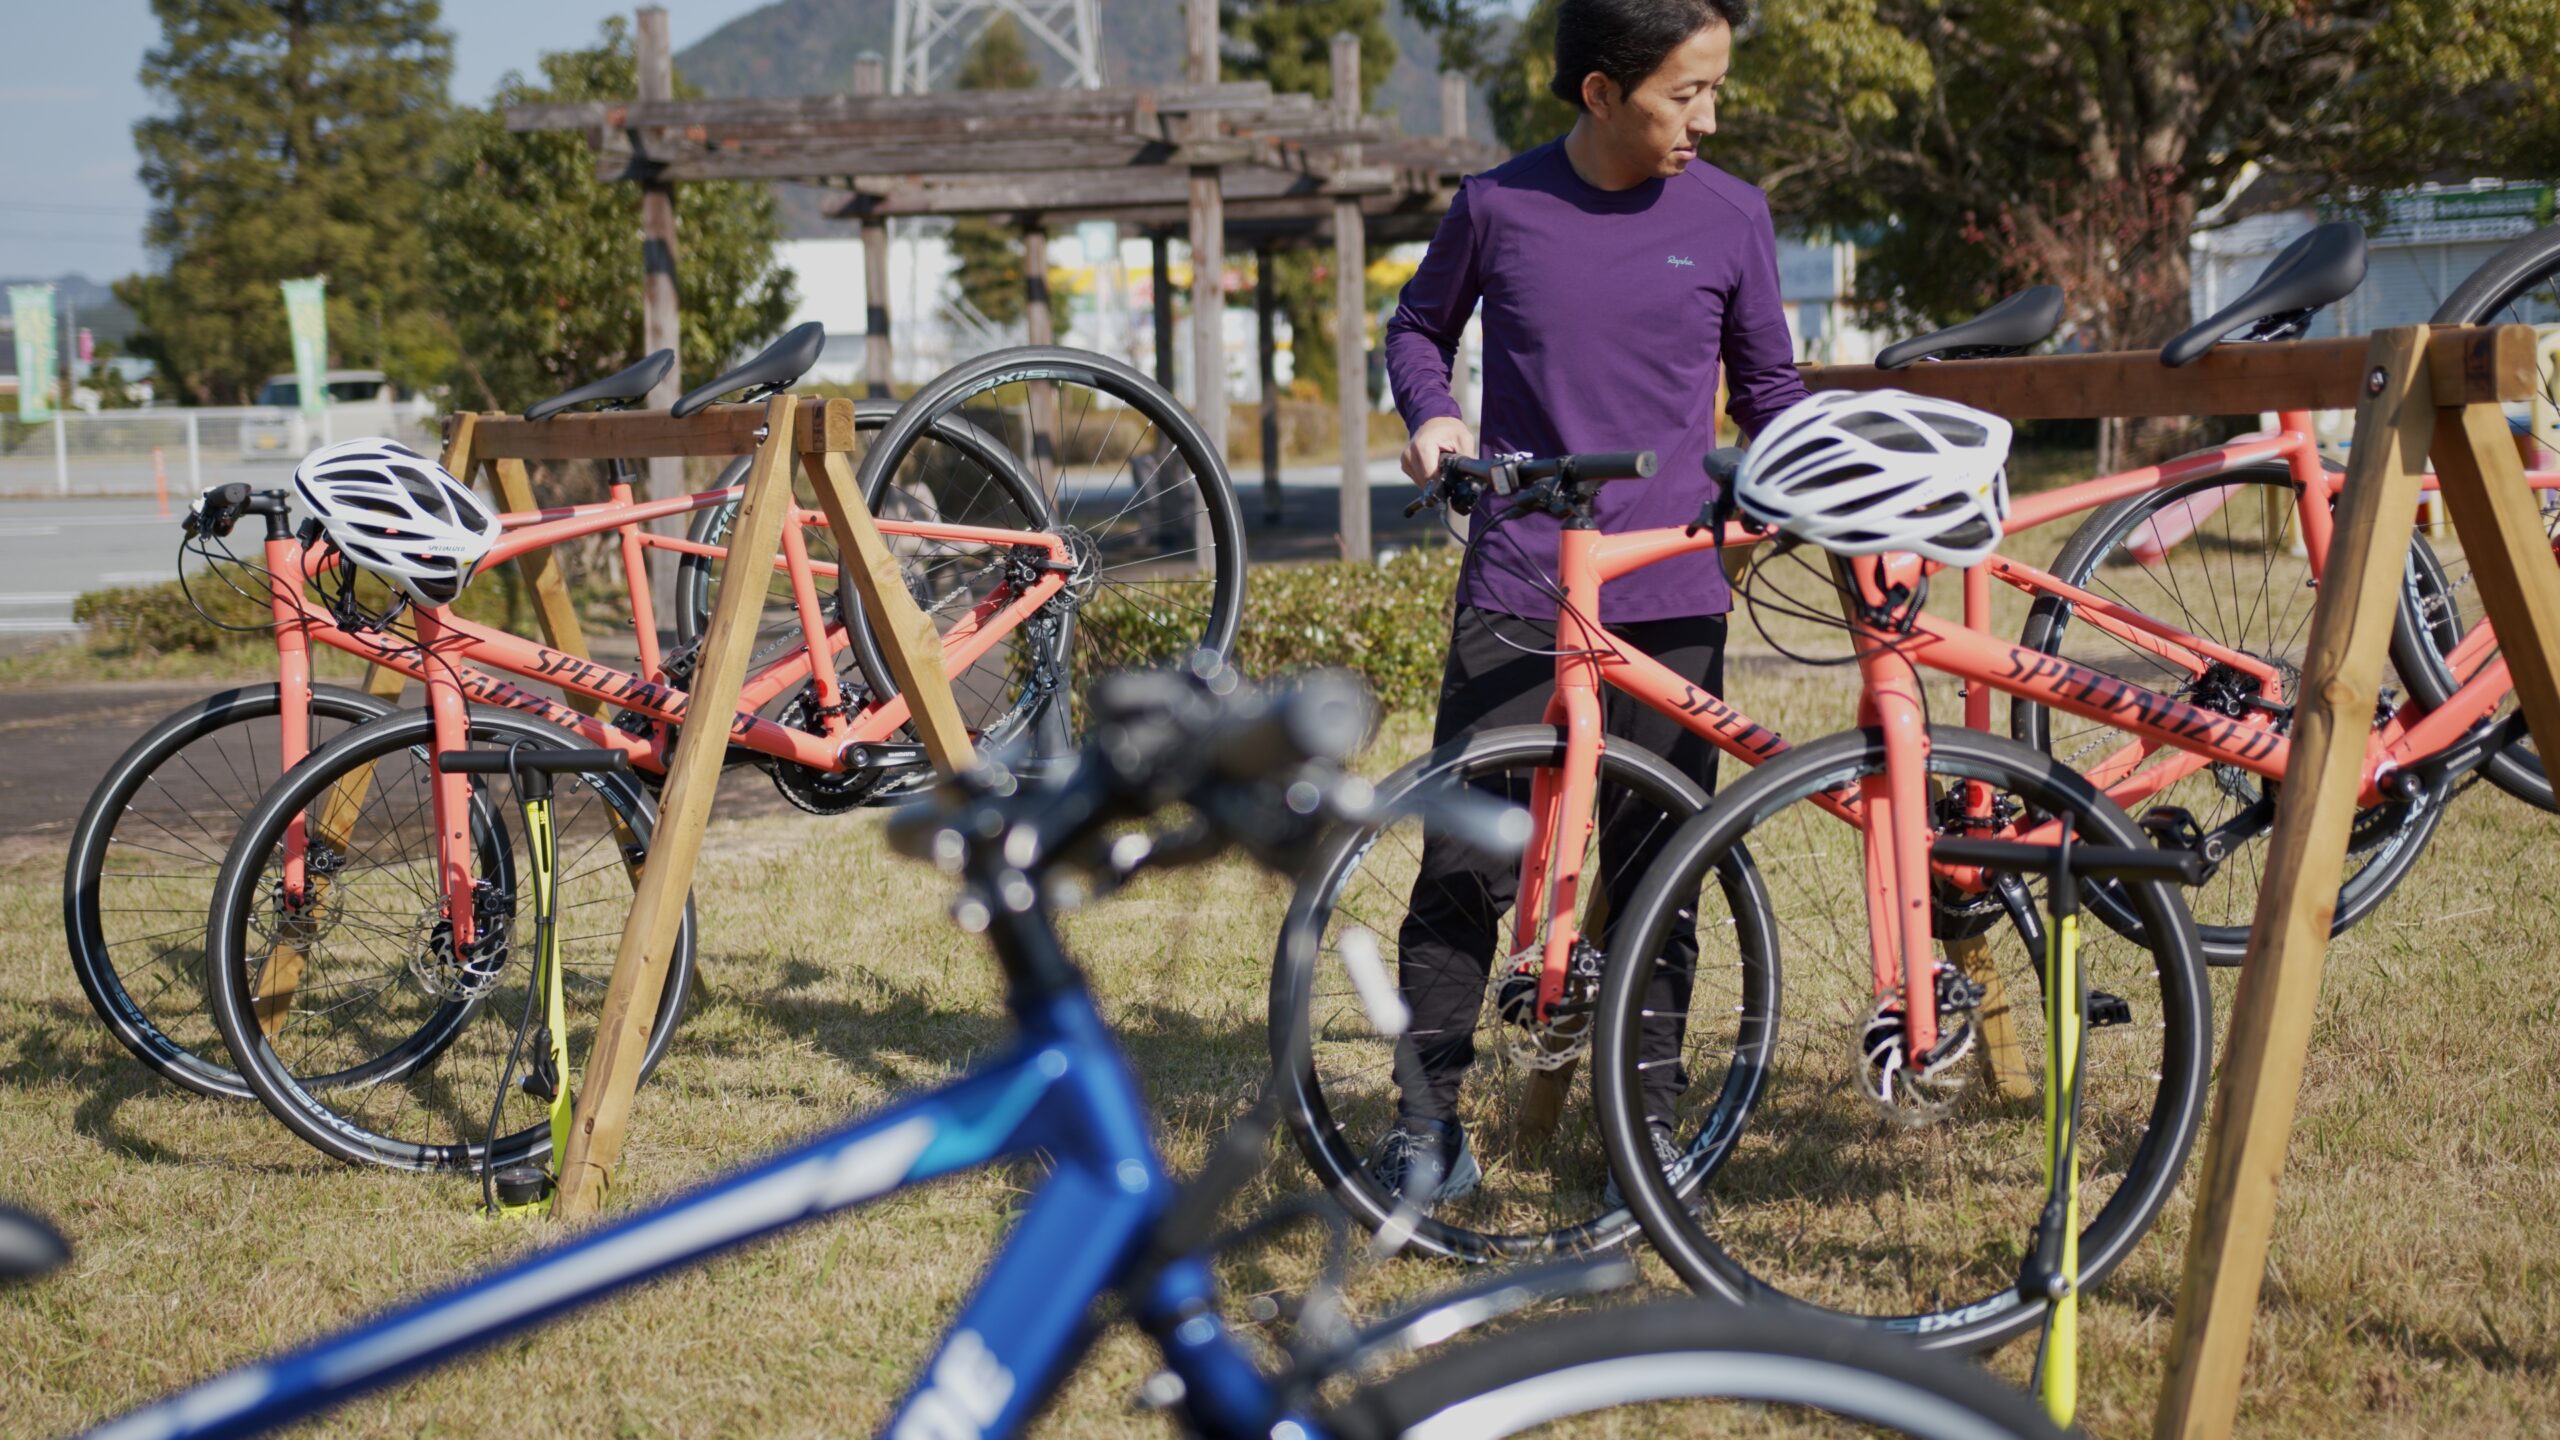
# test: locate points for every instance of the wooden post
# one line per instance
(870, 77)
(1267, 367)
(661, 326)
(1351, 314)
(541, 572)
(1208, 267)
(1041, 329)
(1160, 256)
(2004, 1060)
(2271, 1016)
(911, 644)
(684, 807)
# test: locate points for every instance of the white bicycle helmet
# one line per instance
(1858, 472)
(397, 513)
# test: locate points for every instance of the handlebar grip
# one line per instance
(1612, 465)
(2089, 862)
(529, 760)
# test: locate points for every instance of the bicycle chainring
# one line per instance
(820, 792)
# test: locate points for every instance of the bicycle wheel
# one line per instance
(1674, 1365)
(2520, 285)
(2239, 581)
(144, 857)
(1132, 484)
(1914, 1218)
(391, 1047)
(1523, 1101)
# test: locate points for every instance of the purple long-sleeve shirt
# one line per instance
(1605, 314)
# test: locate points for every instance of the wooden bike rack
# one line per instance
(2417, 393)
(786, 433)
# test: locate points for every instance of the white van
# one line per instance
(361, 402)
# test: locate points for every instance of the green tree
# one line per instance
(1981, 147)
(990, 253)
(1289, 44)
(538, 261)
(292, 143)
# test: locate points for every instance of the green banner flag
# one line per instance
(31, 311)
(306, 310)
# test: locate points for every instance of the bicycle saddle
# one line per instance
(2022, 320)
(773, 368)
(28, 1246)
(2322, 268)
(623, 386)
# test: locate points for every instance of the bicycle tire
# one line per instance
(2389, 837)
(1327, 1139)
(1671, 1350)
(1005, 498)
(2180, 1017)
(300, 1093)
(2528, 267)
(1205, 496)
(144, 1026)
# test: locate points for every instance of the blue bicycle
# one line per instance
(1245, 768)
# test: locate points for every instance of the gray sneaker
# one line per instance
(1419, 1142)
(1675, 1159)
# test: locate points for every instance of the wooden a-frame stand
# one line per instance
(786, 433)
(2417, 393)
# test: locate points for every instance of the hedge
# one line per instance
(160, 619)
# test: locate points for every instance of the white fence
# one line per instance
(138, 452)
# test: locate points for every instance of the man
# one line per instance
(1616, 270)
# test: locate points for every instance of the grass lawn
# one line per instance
(2413, 1290)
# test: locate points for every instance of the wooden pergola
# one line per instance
(1214, 160)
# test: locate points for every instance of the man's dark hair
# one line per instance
(1627, 40)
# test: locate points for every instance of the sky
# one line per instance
(69, 97)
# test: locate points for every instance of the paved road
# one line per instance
(52, 550)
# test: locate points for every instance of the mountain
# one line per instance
(807, 47)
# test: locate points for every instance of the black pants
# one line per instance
(1501, 671)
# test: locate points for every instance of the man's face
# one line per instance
(1662, 122)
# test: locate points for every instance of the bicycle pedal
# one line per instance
(2172, 827)
(2107, 1010)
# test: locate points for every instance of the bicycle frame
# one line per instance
(461, 662)
(1892, 809)
(1061, 1090)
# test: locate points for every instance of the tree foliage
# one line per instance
(291, 144)
(989, 252)
(1289, 44)
(1977, 147)
(538, 263)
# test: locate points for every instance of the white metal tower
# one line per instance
(931, 36)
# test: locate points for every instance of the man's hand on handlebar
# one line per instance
(1444, 436)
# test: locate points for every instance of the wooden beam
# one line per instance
(2481, 363)
(795, 161)
(2498, 516)
(540, 569)
(1351, 323)
(908, 639)
(1208, 268)
(877, 107)
(2279, 989)
(1098, 190)
(603, 1110)
(879, 359)
(721, 430)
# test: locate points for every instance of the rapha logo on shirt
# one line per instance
(1684, 262)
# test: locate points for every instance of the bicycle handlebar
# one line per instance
(220, 507)
(1460, 478)
(2086, 862)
